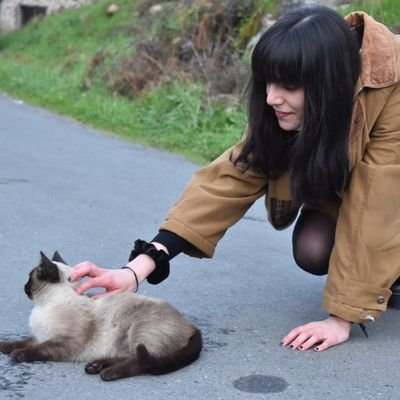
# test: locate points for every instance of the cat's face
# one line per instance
(46, 273)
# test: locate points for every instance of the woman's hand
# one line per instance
(112, 280)
(115, 280)
(320, 335)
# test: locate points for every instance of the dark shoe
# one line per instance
(394, 301)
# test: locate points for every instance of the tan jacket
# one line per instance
(366, 257)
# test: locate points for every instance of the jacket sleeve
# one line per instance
(366, 257)
(216, 197)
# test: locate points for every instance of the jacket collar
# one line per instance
(378, 58)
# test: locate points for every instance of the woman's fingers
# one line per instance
(300, 340)
(85, 268)
(89, 284)
(304, 341)
(310, 342)
(113, 281)
(320, 335)
(296, 337)
(325, 345)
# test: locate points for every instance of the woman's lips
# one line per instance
(281, 114)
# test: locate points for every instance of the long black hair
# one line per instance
(313, 48)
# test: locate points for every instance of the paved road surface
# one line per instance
(89, 195)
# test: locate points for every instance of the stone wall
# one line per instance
(14, 13)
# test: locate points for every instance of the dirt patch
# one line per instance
(196, 40)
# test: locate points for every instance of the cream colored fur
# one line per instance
(108, 327)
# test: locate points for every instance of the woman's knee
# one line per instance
(313, 240)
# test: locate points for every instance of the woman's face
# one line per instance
(288, 104)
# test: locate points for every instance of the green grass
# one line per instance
(177, 117)
(174, 117)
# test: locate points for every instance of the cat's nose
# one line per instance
(28, 290)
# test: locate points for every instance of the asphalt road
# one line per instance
(89, 195)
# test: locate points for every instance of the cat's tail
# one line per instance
(174, 361)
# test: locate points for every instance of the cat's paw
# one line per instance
(106, 367)
(110, 374)
(6, 347)
(20, 355)
(94, 367)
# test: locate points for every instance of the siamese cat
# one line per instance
(118, 336)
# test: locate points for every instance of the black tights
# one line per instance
(313, 240)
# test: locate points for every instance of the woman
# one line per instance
(324, 137)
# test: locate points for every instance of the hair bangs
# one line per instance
(278, 61)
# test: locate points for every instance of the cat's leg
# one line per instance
(46, 351)
(8, 346)
(114, 368)
(96, 366)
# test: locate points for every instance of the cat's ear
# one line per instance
(57, 258)
(48, 271)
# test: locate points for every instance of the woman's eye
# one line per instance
(290, 88)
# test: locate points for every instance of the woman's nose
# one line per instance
(273, 94)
